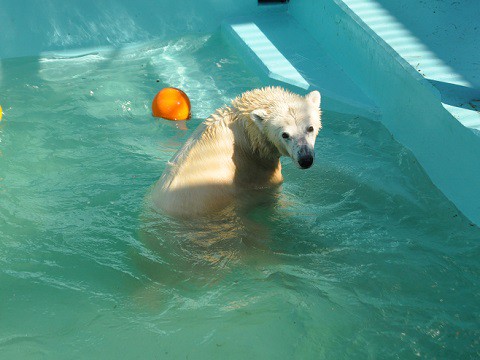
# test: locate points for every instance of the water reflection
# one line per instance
(200, 251)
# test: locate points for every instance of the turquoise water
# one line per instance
(358, 257)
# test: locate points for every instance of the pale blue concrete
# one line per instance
(283, 51)
(411, 106)
(30, 27)
(273, 62)
(439, 39)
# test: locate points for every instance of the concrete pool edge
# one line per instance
(276, 47)
(411, 107)
(31, 28)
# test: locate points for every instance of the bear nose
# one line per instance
(305, 161)
(305, 157)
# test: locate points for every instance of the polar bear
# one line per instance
(238, 148)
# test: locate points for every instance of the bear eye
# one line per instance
(285, 135)
(310, 129)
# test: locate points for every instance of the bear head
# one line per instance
(292, 126)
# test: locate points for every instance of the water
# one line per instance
(357, 257)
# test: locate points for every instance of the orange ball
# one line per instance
(171, 104)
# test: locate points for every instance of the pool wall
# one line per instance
(411, 107)
(32, 27)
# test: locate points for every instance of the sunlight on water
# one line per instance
(357, 257)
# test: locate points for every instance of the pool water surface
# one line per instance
(358, 257)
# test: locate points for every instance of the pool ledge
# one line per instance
(282, 52)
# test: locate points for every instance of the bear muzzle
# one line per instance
(305, 157)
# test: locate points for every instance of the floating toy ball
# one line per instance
(171, 104)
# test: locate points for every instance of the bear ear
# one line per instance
(258, 117)
(314, 98)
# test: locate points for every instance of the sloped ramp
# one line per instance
(277, 47)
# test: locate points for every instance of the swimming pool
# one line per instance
(358, 257)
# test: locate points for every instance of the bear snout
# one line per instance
(305, 157)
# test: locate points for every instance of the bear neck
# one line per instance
(252, 141)
(255, 157)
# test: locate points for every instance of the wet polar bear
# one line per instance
(238, 148)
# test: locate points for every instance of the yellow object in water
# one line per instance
(1, 112)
